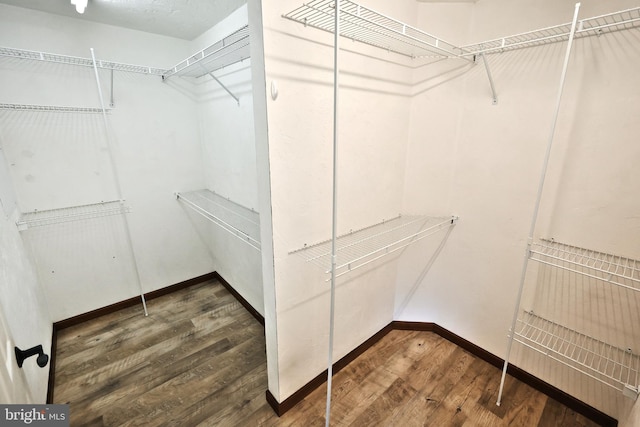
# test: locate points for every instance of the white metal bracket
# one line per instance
(221, 84)
(631, 392)
(493, 88)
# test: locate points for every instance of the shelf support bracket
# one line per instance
(111, 102)
(631, 392)
(221, 84)
(493, 88)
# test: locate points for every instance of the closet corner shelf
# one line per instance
(231, 49)
(367, 26)
(238, 220)
(616, 367)
(612, 269)
(361, 247)
(595, 26)
(73, 213)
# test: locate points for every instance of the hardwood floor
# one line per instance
(199, 359)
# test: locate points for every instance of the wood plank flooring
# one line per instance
(199, 360)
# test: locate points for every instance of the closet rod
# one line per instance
(334, 214)
(536, 208)
(117, 181)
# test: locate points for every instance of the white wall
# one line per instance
(482, 162)
(264, 189)
(155, 132)
(229, 158)
(448, 150)
(374, 105)
(60, 160)
(24, 319)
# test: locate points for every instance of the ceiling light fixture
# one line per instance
(80, 5)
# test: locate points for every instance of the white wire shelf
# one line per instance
(367, 26)
(230, 50)
(240, 221)
(73, 213)
(613, 269)
(370, 27)
(52, 108)
(74, 60)
(616, 367)
(595, 26)
(361, 247)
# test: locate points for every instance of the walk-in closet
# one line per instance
(109, 140)
(345, 170)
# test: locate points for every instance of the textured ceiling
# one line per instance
(184, 19)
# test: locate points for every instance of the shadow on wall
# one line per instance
(184, 87)
(453, 71)
(367, 81)
(324, 277)
(423, 273)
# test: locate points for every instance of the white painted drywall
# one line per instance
(260, 121)
(60, 160)
(462, 156)
(374, 123)
(482, 162)
(229, 158)
(24, 319)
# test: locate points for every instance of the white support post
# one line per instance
(536, 208)
(116, 178)
(334, 219)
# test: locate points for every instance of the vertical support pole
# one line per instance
(538, 198)
(334, 219)
(117, 182)
(493, 88)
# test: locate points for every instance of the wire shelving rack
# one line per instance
(370, 27)
(594, 26)
(230, 50)
(238, 220)
(616, 367)
(612, 269)
(52, 108)
(73, 213)
(364, 246)
(74, 60)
